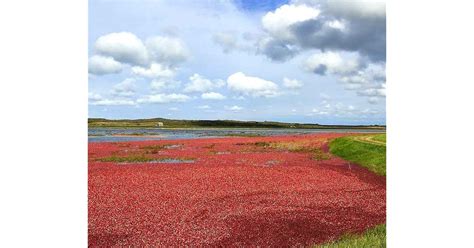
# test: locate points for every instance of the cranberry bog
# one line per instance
(236, 191)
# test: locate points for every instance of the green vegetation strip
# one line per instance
(371, 155)
(170, 123)
(374, 237)
(139, 158)
(380, 138)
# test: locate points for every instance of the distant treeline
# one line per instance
(168, 123)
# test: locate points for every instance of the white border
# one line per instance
(43, 97)
(429, 119)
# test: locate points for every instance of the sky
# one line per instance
(307, 61)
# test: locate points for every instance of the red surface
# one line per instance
(242, 196)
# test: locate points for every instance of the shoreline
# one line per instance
(243, 128)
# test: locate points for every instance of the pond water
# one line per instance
(137, 134)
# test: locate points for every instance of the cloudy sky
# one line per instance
(309, 61)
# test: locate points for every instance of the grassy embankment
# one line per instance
(368, 151)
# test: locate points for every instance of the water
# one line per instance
(137, 134)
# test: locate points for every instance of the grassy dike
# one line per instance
(368, 151)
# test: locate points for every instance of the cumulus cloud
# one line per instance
(198, 83)
(167, 50)
(126, 88)
(113, 102)
(159, 56)
(278, 22)
(369, 81)
(124, 47)
(160, 85)
(292, 83)
(276, 50)
(213, 96)
(356, 74)
(252, 86)
(234, 108)
(164, 98)
(373, 100)
(339, 109)
(100, 65)
(97, 100)
(357, 26)
(358, 9)
(94, 97)
(227, 40)
(154, 71)
(332, 62)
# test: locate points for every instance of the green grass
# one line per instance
(369, 155)
(373, 238)
(127, 159)
(153, 149)
(319, 155)
(380, 138)
(140, 158)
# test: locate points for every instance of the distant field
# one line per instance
(368, 151)
(169, 123)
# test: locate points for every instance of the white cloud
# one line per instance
(167, 50)
(336, 24)
(160, 85)
(232, 41)
(358, 8)
(114, 102)
(100, 65)
(292, 83)
(278, 23)
(319, 112)
(199, 83)
(123, 47)
(204, 107)
(154, 71)
(173, 109)
(98, 100)
(332, 62)
(234, 108)
(164, 98)
(227, 40)
(373, 100)
(340, 109)
(357, 26)
(368, 82)
(213, 96)
(126, 88)
(372, 92)
(252, 86)
(94, 97)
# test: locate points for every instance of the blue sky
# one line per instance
(298, 61)
(259, 5)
